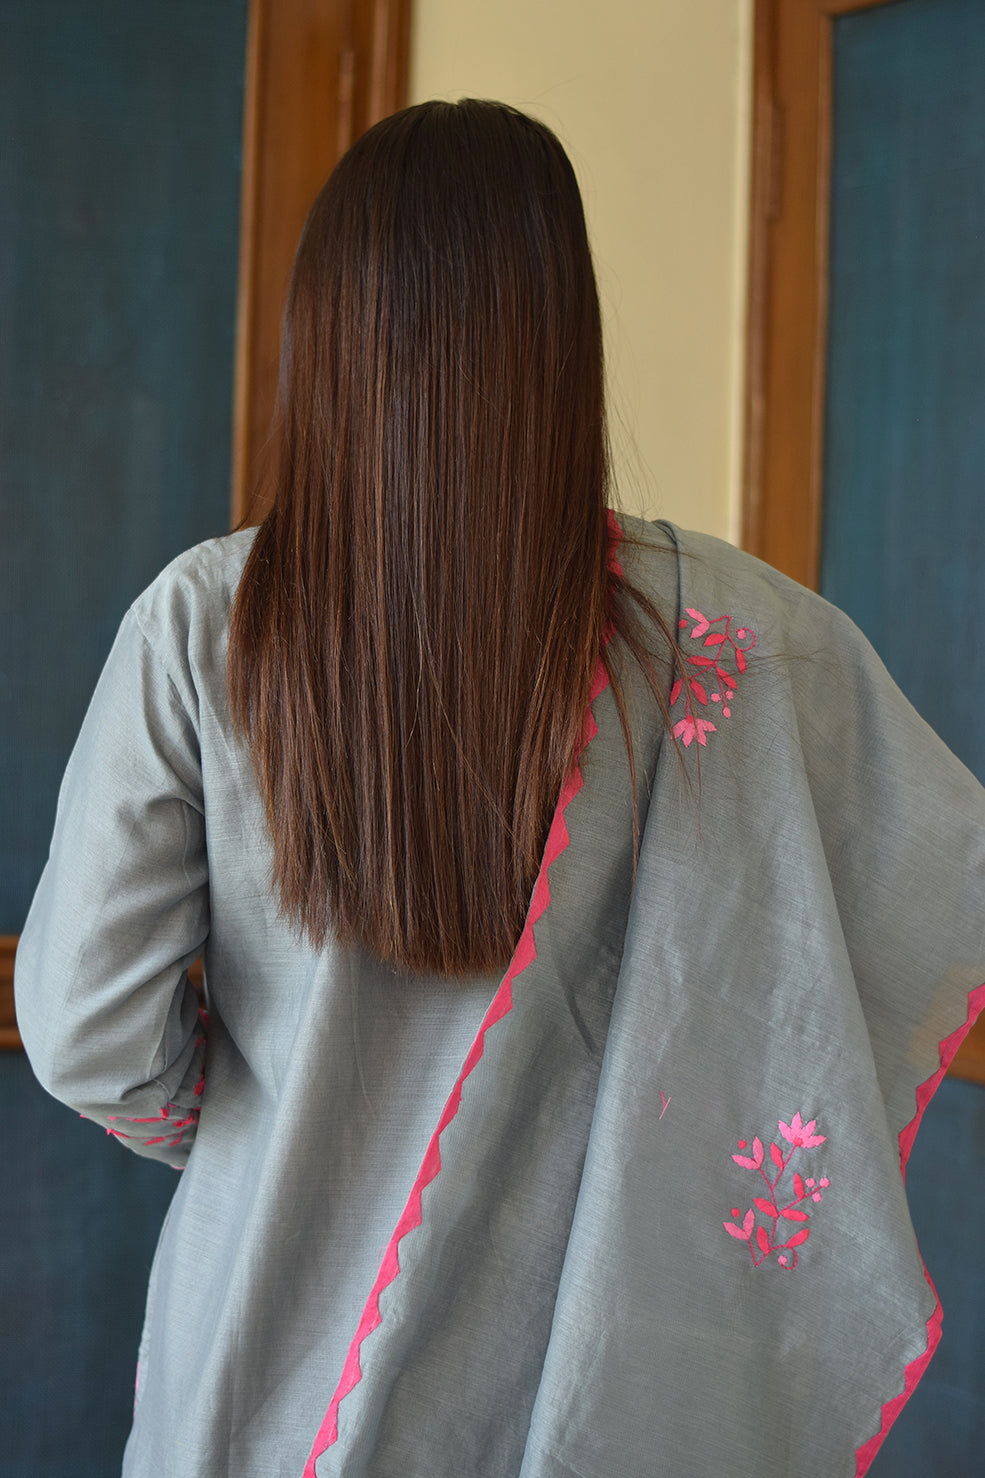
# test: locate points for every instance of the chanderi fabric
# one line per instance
(636, 1208)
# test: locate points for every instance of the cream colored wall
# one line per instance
(652, 99)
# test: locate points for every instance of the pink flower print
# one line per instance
(709, 675)
(777, 1210)
(801, 1135)
(689, 728)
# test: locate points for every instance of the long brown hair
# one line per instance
(418, 623)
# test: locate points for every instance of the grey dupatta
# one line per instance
(662, 1228)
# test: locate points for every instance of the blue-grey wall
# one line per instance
(80, 1221)
(904, 451)
(121, 126)
(941, 1431)
(904, 538)
(119, 191)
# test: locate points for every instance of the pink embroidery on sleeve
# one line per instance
(783, 1227)
(171, 1116)
(710, 679)
(191, 1117)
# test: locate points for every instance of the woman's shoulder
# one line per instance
(687, 572)
(699, 557)
(195, 591)
(183, 616)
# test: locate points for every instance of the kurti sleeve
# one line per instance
(105, 1009)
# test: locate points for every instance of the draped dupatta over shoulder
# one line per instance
(638, 1208)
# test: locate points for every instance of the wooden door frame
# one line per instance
(788, 301)
(318, 74)
(788, 272)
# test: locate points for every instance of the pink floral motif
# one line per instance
(167, 1118)
(171, 1117)
(711, 669)
(801, 1135)
(771, 1234)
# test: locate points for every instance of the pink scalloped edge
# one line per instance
(913, 1372)
(502, 1003)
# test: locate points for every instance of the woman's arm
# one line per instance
(105, 1010)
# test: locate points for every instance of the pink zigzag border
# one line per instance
(913, 1372)
(502, 1004)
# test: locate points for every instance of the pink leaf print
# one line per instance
(798, 1187)
(745, 1162)
(700, 662)
(700, 623)
(740, 659)
(766, 1207)
(798, 1237)
(776, 1154)
(745, 1231)
(675, 692)
(699, 691)
(792, 1214)
(715, 640)
(762, 1239)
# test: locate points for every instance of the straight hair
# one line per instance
(415, 634)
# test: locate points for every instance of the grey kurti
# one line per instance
(635, 1209)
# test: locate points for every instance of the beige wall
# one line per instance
(652, 100)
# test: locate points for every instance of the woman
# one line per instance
(524, 1135)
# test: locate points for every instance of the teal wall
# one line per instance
(80, 1221)
(119, 191)
(121, 124)
(903, 548)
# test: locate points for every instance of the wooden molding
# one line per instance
(788, 275)
(766, 153)
(969, 1060)
(9, 1035)
(318, 74)
(845, 7)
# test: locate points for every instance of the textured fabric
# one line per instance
(663, 1228)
